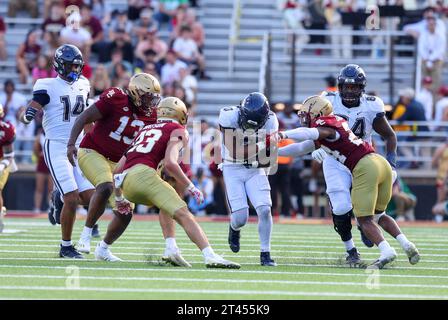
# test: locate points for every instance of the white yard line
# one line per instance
(257, 281)
(383, 273)
(230, 292)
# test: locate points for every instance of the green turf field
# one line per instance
(309, 258)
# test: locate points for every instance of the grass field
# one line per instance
(309, 258)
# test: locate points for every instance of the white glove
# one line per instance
(394, 176)
(195, 193)
(319, 155)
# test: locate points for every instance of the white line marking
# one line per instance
(231, 292)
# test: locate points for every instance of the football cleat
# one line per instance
(234, 240)
(365, 240)
(69, 252)
(175, 258)
(96, 232)
(105, 254)
(217, 261)
(266, 261)
(83, 245)
(353, 259)
(412, 253)
(383, 260)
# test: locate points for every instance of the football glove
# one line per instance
(123, 206)
(319, 155)
(195, 193)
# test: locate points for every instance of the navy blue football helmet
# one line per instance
(351, 84)
(254, 111)
(65, 57)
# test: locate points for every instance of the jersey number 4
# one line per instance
(146, 141)
(68, 111)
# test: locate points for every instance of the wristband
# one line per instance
(29, 115)
(120, 198)
(191, 187)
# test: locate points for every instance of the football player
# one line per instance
(364, 115)
(244, 127)
(63, 99)
(118, 115)
(7, 164)
(372, 174)
(137, 179)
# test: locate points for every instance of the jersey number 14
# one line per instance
(68, 111)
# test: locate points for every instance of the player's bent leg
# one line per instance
(172, 254)
(343, 225)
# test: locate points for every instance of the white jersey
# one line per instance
(67, 101)
(360, 119)
(228, 119)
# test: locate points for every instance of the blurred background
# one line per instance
(212, 53)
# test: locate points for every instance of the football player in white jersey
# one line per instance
(246, 130)
(364, 113)
(62, 99)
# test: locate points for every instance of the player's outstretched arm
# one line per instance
(303, 134)
(383, 128)
(89, 115)
(297, 149)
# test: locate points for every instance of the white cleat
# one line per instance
(412, 253)
(83, 245)
(383, 260)
(217, 261)
(175, 258)
(105, 255)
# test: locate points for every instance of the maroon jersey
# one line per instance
(112, 134)
(348, 148)
(150, 145)
(7, 135)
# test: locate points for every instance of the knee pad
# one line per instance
(239, 218)
(264, 212)
(343, 225)
(340, 202)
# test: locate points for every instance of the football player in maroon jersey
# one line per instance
(118, 115)
(137, 180)
(7, 137)
(372, 174)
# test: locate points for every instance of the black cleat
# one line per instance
(95, 231)
(364, 239)
(234, 240)
(354, 259)
(55, 207)
(266, 261)
(70, 252)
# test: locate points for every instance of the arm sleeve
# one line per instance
(302, 134)
(297, 149)
(40, 93)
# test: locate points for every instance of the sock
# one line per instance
(208, 252)
(86, 233)
(103, 245)
(67, 243)
(384, 246)
(349, 245)
(401, 238)
(171, 243)
(438, 218)
(264, 227)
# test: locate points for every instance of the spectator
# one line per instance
(101, 10)
(135, 7)
(29, 6)
(119, 74)
(205, 184)
(121, 27)
(189, 84)
(117, 58)
(288, 117)
(426, 99)
(168, 89)
(42, 174)
(56, 20)
(416, 29)
(431, 47)
(100, 81)
(78, 3)
(43, 69)
(150, 68)
(93, 25)
(171, 69)
(198, 34)
(3, 54)
(317, 21)
(294, 14)
(77, 35)
(121, 43)
(179, 92)
(331, 84)
(145, 24)
(26, 56)
(403, 200)
(340, 44)
(12, 101)
(151, 42)
(51, 42)
(168, 9)
(187, 51)
(441, 105)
